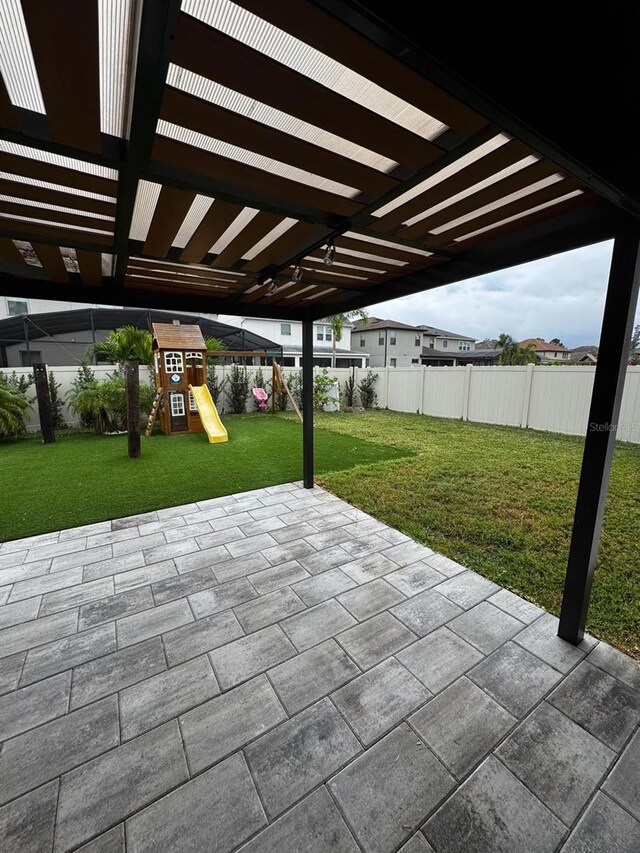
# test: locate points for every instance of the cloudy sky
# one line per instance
(558, 297)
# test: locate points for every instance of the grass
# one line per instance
(501, 500)
(85, 477)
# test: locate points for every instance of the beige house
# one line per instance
(546, 351)
(393, 344)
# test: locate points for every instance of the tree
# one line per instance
(13, 409)
(337, 322)
(557, 342)
(129, 347)
(634, 347)
(57, 403)
(213, 345)
(512, 353)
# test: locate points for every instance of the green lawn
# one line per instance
(500, 500)
(85, 477)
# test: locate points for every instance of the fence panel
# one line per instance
(496, 395)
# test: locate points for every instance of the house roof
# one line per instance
(375, 323)
(591, 348)
(334, 123)
(541, 345)
(170, 336)
(442, 333)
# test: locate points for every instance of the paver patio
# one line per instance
(278, 671)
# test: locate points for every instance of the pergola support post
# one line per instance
(307, 403)
(617, 323)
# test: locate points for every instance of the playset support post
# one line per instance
(44, 403)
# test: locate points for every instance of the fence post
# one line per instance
(466, 392)
(424, 389)
(44, 403)
(386, 387)
(526, 401)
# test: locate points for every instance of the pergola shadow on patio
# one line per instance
(300, 677)
(298, 159)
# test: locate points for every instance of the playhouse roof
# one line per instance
(174, 336)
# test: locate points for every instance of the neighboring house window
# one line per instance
(380, 339)
(319, 333)
(362, 341)
(392, 339)
(464, 346)
(417, 341)
(285, 329)
(327, 333)
(16, 307)
(192, 402)
(415, 361)
(431, 344)
(393, 362)
(177, 405)
(29, 359)
(173, 362)
(445, 344)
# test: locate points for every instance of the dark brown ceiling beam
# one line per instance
(317, 258)
(492, 163)
(191, 269)
(315, 27)
(219, 57)
(40, 171)
(55, 216)
(90, 264)
(21, 230)
(175, 276)
(51, 260)
(64, 41)
(171, 208)
(255, 182)
(196, 114)
(494, 192)
(214, 223)
(23, 191)
(261, 224)
(10, 252)
(8, 117)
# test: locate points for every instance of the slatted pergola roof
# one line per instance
(192, 154)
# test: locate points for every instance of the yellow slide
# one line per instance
(209, 414)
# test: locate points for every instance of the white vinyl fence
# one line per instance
(555, 399)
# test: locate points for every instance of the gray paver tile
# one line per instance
(317, 624)
(391, 789)
(149, 623)
(221, 597)
(65, 599)
(208, 557)
(251, 545)
(378, 638)
(176, 511)
(617, 664)
(68, 652)
(81, 558)
(45, 583)
(541, 638)
(320, 561)
(109, 842)
(144, 576)
(134, 520)
(467, 589)
(135, 774)
(369, 567)
(116, 671)
(21, 611)
(558, 761)
(30, 542)
(221, 804)
(27, 824)
(219, 727)
(326, 538)
(276, 577)
(486, 627)
(445, 565)
(169, 550)
(32, 706)
(192, 530)
(259, 513)
(462, 725)
(393, 537)
(375, 702)
(325, 522)
(604, 826)
(37, 756)
(114, 566)
(16, 558)
(516, 606)
(323, 586)
(55, 549)
(155, 700)
(439, 658)
(149, 527)
(361, 547)
(417, 844)
(268, 609)
(244, 658)
(492, 812)
(111, 536)
(235, 520)
(514, 678)
(213, 539)
(310, 676)
(202, 636)
(370, 598)
(5, 592)
(177, 587)
(21, 573)
(288, 533)
(425, 612)
(288, 551)
(315, 824)
(240, 567)
(265, 525)
(141, 543)
(114, 607)
(10, 669)
(623, 783)
(27, 635)
(84, 530)
(598, 702)
(299, 754)
(407, 553)
(415, 578)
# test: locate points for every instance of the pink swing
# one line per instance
(261, 397)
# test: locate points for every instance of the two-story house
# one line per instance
(546, 351)
(394, 344)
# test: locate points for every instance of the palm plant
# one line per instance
(337, 323)
(512, 353)
(13, 409)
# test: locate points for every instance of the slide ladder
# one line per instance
(154, 413)
(209, 416)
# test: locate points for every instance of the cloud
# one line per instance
(561, 296)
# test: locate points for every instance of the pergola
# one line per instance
(211, 156)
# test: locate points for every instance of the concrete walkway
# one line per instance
(276, 671)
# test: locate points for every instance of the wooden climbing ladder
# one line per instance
(280, 387)
(154, 413)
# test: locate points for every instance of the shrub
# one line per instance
(215, 384)
(238, 389)
(83, 378)
(57, 402)
(350, 392)
(294, 381)
(13, 406)
(323, 384)
(106, 404)
(367, 390)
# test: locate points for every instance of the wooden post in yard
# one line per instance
(44, 403)
(132, 385)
